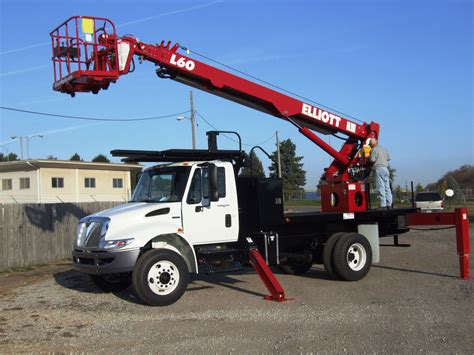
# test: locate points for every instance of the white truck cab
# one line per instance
(173, 208)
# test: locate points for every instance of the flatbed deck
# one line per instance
(390, 222)
(369, 215)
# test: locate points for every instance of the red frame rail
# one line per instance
(459, 219)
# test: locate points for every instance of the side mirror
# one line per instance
(213, 191)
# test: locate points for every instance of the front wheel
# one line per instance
(352, 257)
(160, 277)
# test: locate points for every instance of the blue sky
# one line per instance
(405, 64)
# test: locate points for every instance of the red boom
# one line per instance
(91, 59)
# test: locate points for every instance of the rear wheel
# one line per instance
(160, 277)
(352, 257)
(327, 253)
(112, 282)
(297, 265)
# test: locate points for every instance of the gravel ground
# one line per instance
(410, 302)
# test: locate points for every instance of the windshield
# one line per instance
(428, 196)
(161, 185)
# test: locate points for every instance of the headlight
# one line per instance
(81, 234)
(117, 244)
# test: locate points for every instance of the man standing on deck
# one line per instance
(379, 157)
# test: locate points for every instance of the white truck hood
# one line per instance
(132, 211)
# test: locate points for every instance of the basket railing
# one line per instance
(83, 46)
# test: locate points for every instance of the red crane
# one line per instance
(88, 55)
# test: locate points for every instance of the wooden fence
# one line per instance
(40, 233)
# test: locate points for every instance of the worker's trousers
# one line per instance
(382, 181)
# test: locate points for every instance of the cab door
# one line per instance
(208, 221)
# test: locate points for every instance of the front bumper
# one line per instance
(105, 262)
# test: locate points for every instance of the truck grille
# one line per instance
(93, 234)
(90, 232)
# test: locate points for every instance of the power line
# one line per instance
(230, 138)
(270, 84)
(93, 118)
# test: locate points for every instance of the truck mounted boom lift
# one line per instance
(193, 212)
(88, 55)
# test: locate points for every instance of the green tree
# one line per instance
(75, 157)
(418, 188)
(293, 174)
(51, 157)
(9, 157)
(101, 158)
(257, 166)
(399, 194)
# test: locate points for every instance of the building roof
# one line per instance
(34, 164)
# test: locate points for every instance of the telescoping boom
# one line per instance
(88, 56)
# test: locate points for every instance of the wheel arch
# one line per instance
(177, 243)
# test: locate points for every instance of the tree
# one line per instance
(257, 166)
(51, 157)
(399, 194)
(75, 157)
(101, 158)
(461, 178)
(293, 174)
(9, 157)
(418, 188)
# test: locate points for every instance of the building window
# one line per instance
(24, 183)
(117, 183)
(57, 182)
(89, 182)
(6, 184)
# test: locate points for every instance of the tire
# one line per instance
(297, 266)
(160, 277)
(352, 257)
(327, 254)
(112, 282)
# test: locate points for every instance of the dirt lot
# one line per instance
(410, 302)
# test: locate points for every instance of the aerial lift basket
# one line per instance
(85, 55)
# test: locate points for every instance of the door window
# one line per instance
(195, 190)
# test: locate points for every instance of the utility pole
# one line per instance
(20, 138)
(191, 102)
(21, 146)
(28, 138)
(278, 154)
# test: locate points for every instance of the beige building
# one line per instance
(55, 181)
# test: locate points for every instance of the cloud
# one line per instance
(149, 18)
(25, 48)
(25, 70)
(169, 13)
(57, 130)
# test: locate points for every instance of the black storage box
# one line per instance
(260, 204)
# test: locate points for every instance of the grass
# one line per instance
(303, 203)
